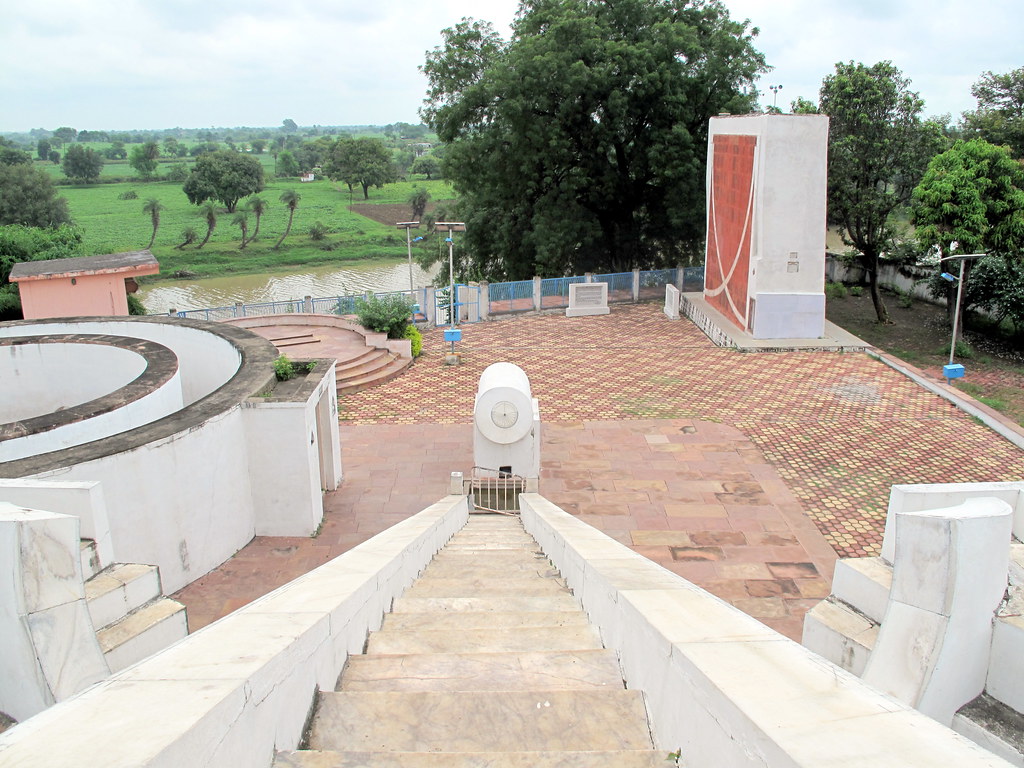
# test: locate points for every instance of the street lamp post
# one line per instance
(451, 227)
(408, 226)
(950, 370)
(775, 97)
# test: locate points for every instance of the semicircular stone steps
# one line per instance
(487, 661)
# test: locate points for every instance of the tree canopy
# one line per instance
(999, 118)
(27, 243)
(878, 148)
(580, 144)
(82, 164)
(28, 197)
(366, 162)
(143, 158)
(224, 176)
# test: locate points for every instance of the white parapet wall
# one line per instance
(49, 648)
(722, 687)
(230, 694)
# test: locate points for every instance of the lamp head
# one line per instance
(948, 277)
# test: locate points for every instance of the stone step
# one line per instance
(560, 602)
(523, 671)
(836, 631)
(392, 369)
(372, 359)
(606, 759)
(142, 633)
(864, 583)
(467, 620)
(491, 557)
(90, 558)
(430, 586)
(497, 536)
(509, 640)
(426, 721)
(457, 567)
(116, 591)
(489, 546)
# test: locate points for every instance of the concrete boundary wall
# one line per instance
(235, 691)
(721, 686)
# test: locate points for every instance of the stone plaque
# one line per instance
(587, 299)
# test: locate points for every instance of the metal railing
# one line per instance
(501, 298)
(495, 491)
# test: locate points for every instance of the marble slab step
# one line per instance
(116, 591)
(608, 759)
(525, 671)
(533, 567)
(142, 633)
(502, 534)
(429, 586)
(467, 620)
(508, 640)
(492, 557)
(417, 721)
(484, 546)
(558, 602)
(839, 633)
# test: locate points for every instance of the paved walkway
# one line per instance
(739, 471)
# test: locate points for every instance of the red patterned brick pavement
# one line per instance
(839, 428)
(712, 462)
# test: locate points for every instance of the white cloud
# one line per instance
(144, 64)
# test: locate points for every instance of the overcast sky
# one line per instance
(202, 63)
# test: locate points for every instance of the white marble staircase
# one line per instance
(128, 609)
(487, 660)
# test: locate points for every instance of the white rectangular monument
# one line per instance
(766, 189)
(587, 299)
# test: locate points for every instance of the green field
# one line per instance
(112, 225)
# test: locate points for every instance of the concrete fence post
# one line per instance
(536, 294)
(485, 300)
(307, 304)
(636, 285)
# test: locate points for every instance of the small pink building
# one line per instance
(83, 286)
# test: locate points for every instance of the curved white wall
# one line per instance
(41, 378)
(205, 361)
(163, 401)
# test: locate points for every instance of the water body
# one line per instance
(284, 285)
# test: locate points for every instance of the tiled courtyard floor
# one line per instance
(735, 470)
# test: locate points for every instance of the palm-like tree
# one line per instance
(241, 220)
(291, 199)
(188, 236)
(153, 208)
(258, 206)
(209, 211)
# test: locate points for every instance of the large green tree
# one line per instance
(28, 197)
(82, 164)
(999, 118)
(225, 176)
(363, 162)
(878, 148)
(580, 144)
(143, 158)
(973, 195)
(10, 154)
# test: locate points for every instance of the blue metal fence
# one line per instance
(516, 296)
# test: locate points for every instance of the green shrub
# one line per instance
(131, 194)
(963, 350)
(906, 300)
(284, 368)
(413, 334)
(856, 290)
(317, 232)
(835, 290)
(389, 315)
(135, 306)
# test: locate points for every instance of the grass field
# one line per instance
(112, 225)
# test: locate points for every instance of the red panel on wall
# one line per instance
(730, 218)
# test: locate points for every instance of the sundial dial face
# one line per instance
(504, 414)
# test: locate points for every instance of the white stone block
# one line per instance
(671, 302)
(587, 299)
(1006, 667)
(864, 583)
(949, 577)
(844, 637)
